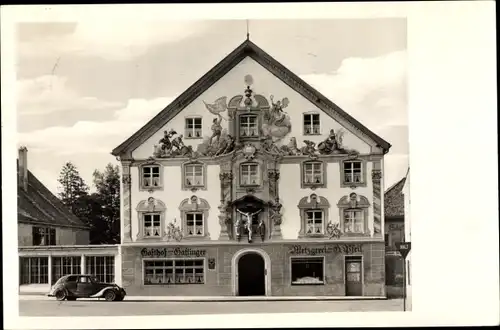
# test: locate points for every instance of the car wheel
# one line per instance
(61, 295)
(110, 295)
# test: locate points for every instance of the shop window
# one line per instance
(193, 128)
(151, 176)
(43, 236)
(33, 270)
(194, 212)
(62, 266)
(307, 271)
(313, 174)
(311, 124)
(101, 267)
(174, 272)
(314, 215)
(354, 215)
(194, 176)
(151, 213)
(249, 174)
(353, 173)
(249, 126)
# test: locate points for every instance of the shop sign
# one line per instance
(312, 251)
(169, 252)
(211, 263)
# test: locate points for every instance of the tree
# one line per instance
(107, 184)
(73, 190)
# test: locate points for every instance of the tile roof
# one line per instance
(394, 201)
(38, 205)
(247, 48)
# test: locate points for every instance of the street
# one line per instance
(131, 307)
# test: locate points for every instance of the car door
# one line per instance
(71, 285)
(84, 286)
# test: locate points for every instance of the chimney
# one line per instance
(23, 167)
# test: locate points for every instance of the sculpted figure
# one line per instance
(248, 224)
(165, 144)
(309, 148)
(276, 209)
(216, 129)
(329, 145)
(291, 148)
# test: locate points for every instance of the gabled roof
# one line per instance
(394, 201)
(39, 206)
(247, 48)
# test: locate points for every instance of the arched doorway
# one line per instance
(251, 275)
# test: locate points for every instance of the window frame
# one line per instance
(311, 114)
(193, 129)
(194, 205)
(94, 257)
(144, 260)
(203, 185)
(39, 275)
(354, 202)
(150, 206)
(323, 260)
(257, 125)
(343, 182)
(314, 211)
(313, 185)
(75, 267)
(258, 175)
(313, 203)
(151, 165)
(49, 234)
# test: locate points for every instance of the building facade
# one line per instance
(52, 241)
(394, 208)
(252, 183)
(407, 202)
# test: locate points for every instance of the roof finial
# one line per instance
(248, 31)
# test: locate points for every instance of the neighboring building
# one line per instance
(307, 175)
(394, 211)
(407, 202)
(52, 241)
(394, 232)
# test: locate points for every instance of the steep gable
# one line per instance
(246, 49)
(37, 205)
(394, 200)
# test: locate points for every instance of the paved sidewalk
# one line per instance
(216, 298)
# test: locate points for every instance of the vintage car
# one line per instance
(71, 287)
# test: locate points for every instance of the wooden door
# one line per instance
(353, 276)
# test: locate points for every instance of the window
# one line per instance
(62, 266)
(176, 271)
(352, 172)
(386, 239)
(311, 124)
(193, 128)
(150, 213)
(194, 212)
(353, 221)
(43, 236)
(314, 222)
(313, 216)
(248, 126)
(151, 176)
(193, 175)
(307, 271)
(33, 270)
(101, 267)
(152, 224)
(249, 174)
(354, 215)
(194, 224)
(313, 173)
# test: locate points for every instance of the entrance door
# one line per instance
(353, 283)
(251, 275)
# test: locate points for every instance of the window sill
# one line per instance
(352, 234)
(352, 184)
(311, 134)
(312, 236)
(196, 237)
(168, 284)
(193, 138)
(142, 188)
(302, 284)
(194, 188)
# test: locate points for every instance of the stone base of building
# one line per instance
(264, 269)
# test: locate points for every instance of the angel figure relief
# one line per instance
(277, 122)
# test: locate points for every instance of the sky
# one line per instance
(85, 87)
